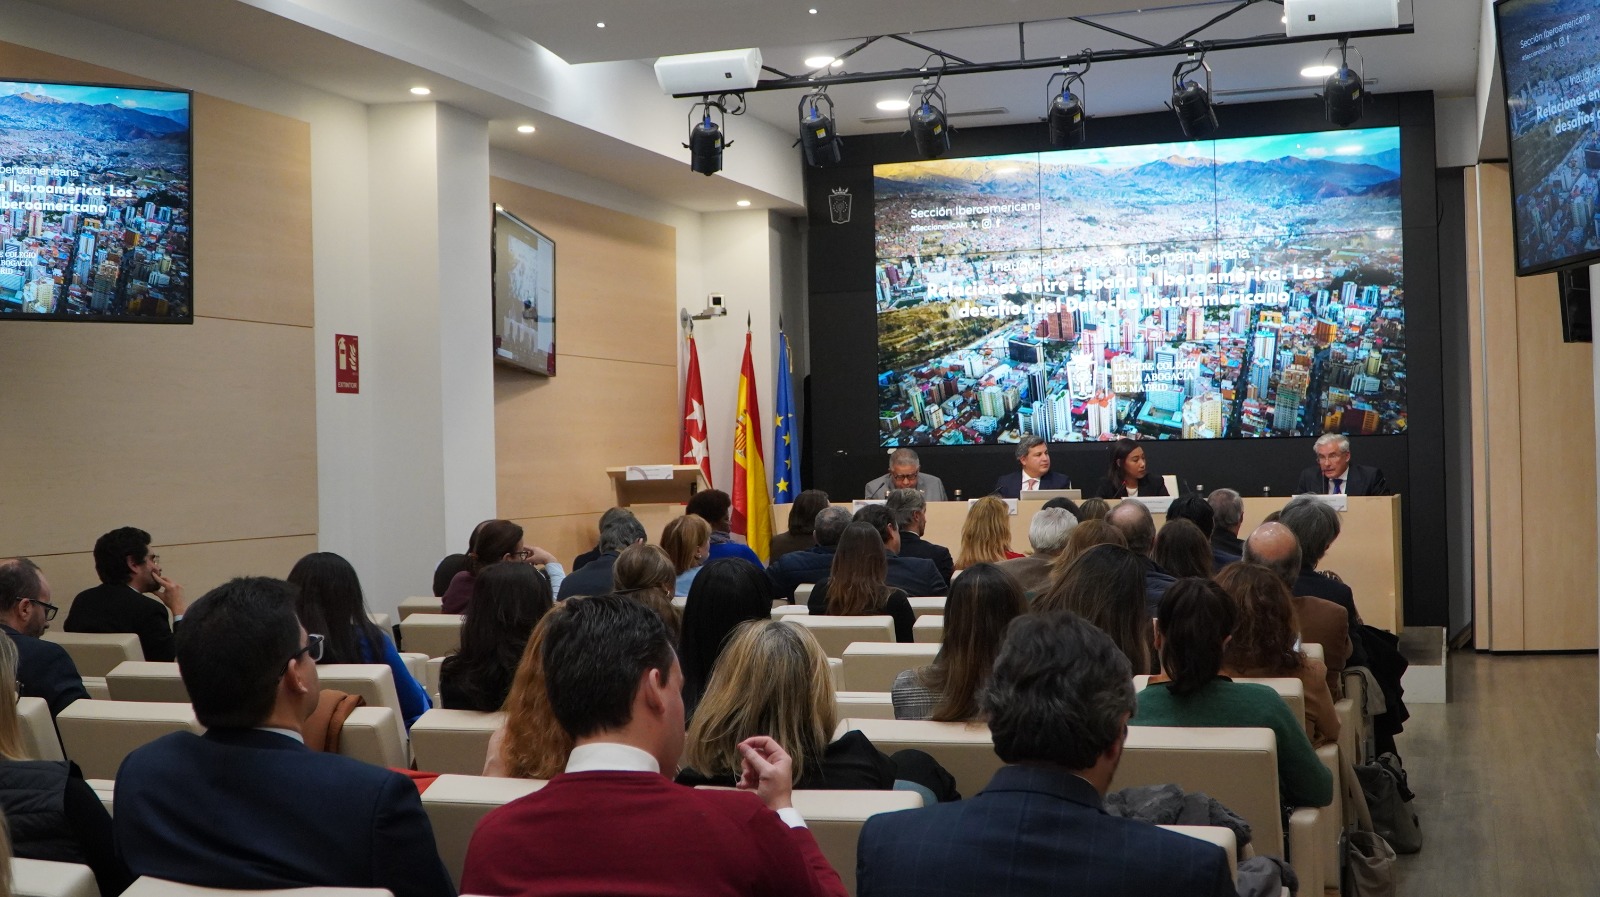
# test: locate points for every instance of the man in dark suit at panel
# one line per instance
(43, 668)
(917, 576)
(1033, 454)
(910, 510)
(127, 571)
(247, 805)
(1058, 704)
(809, 567)
(1335, 475)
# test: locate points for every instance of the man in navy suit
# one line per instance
(247, 805)
(1058, 704)
(1033, 454)
(917, 576)
(1335, 475)
(809, 567)
(43, 668)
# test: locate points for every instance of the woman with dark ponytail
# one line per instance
(1193, 625)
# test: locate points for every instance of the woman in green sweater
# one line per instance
(1195, 622)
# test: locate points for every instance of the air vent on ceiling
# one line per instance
(901, 116)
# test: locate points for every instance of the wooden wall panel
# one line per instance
(1482, 608)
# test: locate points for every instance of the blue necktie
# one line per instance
(1338, 486)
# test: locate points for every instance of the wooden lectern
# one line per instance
(647, 487)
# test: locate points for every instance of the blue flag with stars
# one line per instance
(785, 438)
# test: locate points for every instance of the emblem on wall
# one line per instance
(839, 205)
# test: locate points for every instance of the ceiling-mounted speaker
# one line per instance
(1308, 17)
(724, 71)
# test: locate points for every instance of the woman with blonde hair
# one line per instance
(772, 679)
(1263, 645)
(687, 542)
(530, 744)
(986, 534)
(644, 573)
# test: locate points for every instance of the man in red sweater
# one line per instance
(613, 823)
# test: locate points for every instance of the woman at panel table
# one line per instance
(1129, 474)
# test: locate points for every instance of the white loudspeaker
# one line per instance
(1306, 17)
(723, 71)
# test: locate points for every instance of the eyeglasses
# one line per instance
(50, 610)
(153, 559)
(312, 649)
(523, 555)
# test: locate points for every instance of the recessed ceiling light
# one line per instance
(743, 203)
(894, 105)
(813, 11)
(818, 62)
(599, 24)
(525, 129)
(421, 91)
(1318, 71)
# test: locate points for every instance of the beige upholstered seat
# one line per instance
(147, 680)
(435, 670)
(873, 666)
(372, 681)
(785, 610)
(965, 749)
(105, 790)
(453, 741)
(835, 671)
(426, 604)
(370, 735)
(455, 804)
(834, 634)
(835, 819)
(864, 704)
(381, 621)
(97, 735)
(97, 653)
(802, 592)
(416, 665)
(436, 635)
(931, 605)
(158, 887)
(928, 630)
(39, 737)
(1220, 835)
(42, 878)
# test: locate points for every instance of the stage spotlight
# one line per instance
(818, 137)
(1344, 93)
(1065, 113)
(1190, 101)
(929, 127)
(705, 139)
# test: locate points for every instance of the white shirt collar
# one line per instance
(289, 732)
(610, 757)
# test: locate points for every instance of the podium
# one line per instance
(650, 484)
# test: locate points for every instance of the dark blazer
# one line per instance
(913, 545)
(1358, 480)
(799, 568)
(45, 671)
(593, 579)
(918, 576)
(251, 809)
(1010, 485)
(1156, 583)
(1106, 488)
(1035, 831)
(786, 542)
(116, 607)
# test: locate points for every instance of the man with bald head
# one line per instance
(1274, 546)
(1133, 520)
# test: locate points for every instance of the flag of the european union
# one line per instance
(785, 438)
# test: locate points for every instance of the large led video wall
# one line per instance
(1246, 287)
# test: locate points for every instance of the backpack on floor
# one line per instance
(1384, 783)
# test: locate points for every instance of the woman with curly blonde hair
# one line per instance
(530, 744)
(986, 534)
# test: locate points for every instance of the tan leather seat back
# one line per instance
(423, 604)
(835, 819)
(964, 749)
(42, 878)
(456, 803)
(369, 735)
(1220, 835)
(1238, 767)
(454, 741)
(39, 737)
(928, 606)
(873, 666)
(373, 681)
(97, 735)
(928, 630)
(436, 635)
(159, 887)
(147, 680)
(435, 671)
(97, 653)
(835, 634)
(864, 704)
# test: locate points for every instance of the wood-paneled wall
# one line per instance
(613, 400)
(204, 435)
(1533, 445)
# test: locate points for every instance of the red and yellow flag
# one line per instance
(752, 504)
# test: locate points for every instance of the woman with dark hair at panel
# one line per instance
(1196, 618)
(508, 600)
(494, 542)
(727, 592)
(1182, 549)
(1105, 586)
(1128, 474)
(986, 533)
(644, 573)
(857, 583)
(982, 602)
(802, 516)
(773, 680)
(687, 542)
(1264, 644)
(530, 744)
(328, 601)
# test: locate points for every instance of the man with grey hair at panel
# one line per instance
(809, 567)
(1274, 546)
(905, 472)
(910, 510)
(1335, 475)
(1133, 520)
(1227, 513)
(595, 577)
(1047, 533)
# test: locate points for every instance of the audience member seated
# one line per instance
(508, 600)
(986, 533)
(1182, 549)
(1048, 533)
(51, 811)
(1064, 503)
(1321, 621)
(610, 516)
(1335, 475)
(1057, 703)
(645, 574)
(981, 604)
(802, 519)
(687, 541)
(247, 805)
(857, 585)
(773, 678)
(905, 472)
(1128, 475)
(1264, 644)
(1198, 510)
(530, 744)
(1227, 509)
(595, 578)
(1086, 535)
(447, 570)
(1033, 459)
(496, 542)
(798, 568)
(328, 601)
(716, 508)
(1139, 528)
(127, 570)
(1105, 586)
(725, 594)
(1315, 526)
(918, 576)
(909, 510)
(1093, 509)
(43, 668)
(612, 823)
(1194, 624)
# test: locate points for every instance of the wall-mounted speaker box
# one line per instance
(723, 71)
(1339, 16)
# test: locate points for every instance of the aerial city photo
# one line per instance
(95, 202)
(1236, 288)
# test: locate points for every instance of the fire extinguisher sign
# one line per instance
(346, 363)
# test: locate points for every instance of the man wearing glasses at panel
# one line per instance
(905, 472)
(43, 668)
(247, 805)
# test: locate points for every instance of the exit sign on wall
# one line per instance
(346, 363)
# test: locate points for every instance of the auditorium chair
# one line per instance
(455, 804)
(433, 672)
(97, 653)
(372, 681)
(370, 735)
(681, 602)
(160, 887)
(1291, 690)
(147, 680)
(835, 819)
(928, 630)
(97, 735)
(380, 620)
(436, 635)
(927, 606)
(426, 604)
(1220, 835)
(835, 634)
(873, 666)
(785, 610)
(802, 592)
(453, 741)
(864, 704)
(43, 878)
(39, 738)
(835, 671)
(964, 749)
(1355, 728)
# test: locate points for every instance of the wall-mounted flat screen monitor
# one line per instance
(1232, 288)
(524, 295)
(96, 206)
(1550, 70)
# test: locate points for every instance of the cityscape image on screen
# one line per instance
(95, 203)
(1233, 288)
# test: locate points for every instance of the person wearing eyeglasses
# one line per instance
(905, 472)
(128, 572)
(247, 805)
(493, 542)
(43, 668)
